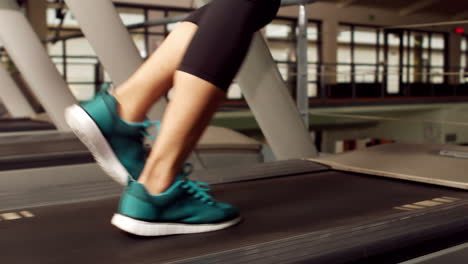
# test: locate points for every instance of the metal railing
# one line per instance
(365, 84)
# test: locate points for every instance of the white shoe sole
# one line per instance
(89, 133)
(142, 228)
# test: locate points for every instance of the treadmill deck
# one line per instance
(273, 209)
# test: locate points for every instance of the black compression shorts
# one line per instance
(225, 31)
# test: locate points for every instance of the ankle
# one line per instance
(128, 115)
(157, 185)
(126, 110)
(158, 180)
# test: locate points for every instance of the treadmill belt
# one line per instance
(40, 153)
(273, 209)
(24, 124)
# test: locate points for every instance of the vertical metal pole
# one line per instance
(98, 77)
(386, 64)
(408, 57)
(383, 47)
(146, 32)
(32, 60)
(329, 46)
(166, 31)
(429, 71)
(64, 60)
(323, 85)
(353, 63)
(302, 98)
(400, 66)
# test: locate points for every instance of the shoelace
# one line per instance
(145, 125)
(196, 188)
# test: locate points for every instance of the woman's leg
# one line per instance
(153, 79)
(157, 205)
(186, 116)
(212, 60)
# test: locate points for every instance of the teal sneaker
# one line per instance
(117, 145)
(183, 209)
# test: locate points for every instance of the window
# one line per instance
(423, 57)
(357, 54)
(437, 58)
(344, 70)
(313, 58)
(464, 58)
(280, 39)
(279, 31)
(367, 54)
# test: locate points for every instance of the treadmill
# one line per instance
(295, 211)
(330, 210)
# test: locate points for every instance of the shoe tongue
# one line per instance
(130, 128)
(180, 177)
(130, 131)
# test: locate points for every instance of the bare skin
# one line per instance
(193, 104)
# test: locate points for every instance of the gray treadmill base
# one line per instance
(413, 162)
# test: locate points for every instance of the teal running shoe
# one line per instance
(184, 208)
(117, 145)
